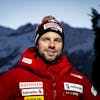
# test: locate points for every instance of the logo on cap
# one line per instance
(53, 26)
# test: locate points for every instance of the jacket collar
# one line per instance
(31, 60)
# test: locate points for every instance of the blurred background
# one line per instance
(15, 13)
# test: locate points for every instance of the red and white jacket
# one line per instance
(33, 79)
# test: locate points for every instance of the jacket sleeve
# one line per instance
(89, 92)
(6, 91)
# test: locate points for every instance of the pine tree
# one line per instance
(96, 64)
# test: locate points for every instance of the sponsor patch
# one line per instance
(27, 60)
(23, 85)
(73, 87)
(78, 76)
(28, 92)
(34, 98)
(72, 93)
(55, 26)
(94, 92)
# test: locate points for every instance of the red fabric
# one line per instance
(97, 97)
(52, 76)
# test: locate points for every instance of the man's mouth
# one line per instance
(51, 52)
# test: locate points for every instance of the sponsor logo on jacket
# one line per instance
(73, 87)
(30, 85)
(31, 89)
(34, 98)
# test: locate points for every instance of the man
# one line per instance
(43, 73)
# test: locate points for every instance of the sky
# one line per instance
(14, 13)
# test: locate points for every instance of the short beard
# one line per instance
(48, 61)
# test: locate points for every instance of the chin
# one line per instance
(50, 60)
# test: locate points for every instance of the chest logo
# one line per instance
(34, 98)
(73, 87)
(31, 88)
(23, 85)
(28, 92)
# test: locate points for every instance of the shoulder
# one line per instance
(77, 74)
(29, 51)
(11, 72)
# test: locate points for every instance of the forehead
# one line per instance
(51, 35)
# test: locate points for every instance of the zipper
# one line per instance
(54, 88)
(54, 83)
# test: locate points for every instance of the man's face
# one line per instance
(50, 46)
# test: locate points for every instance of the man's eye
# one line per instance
(45, 39)
(58, 40)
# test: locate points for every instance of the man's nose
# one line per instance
(52, 44)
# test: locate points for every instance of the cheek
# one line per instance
(42, 46)
(60, 46)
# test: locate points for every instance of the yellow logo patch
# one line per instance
(34, 98)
